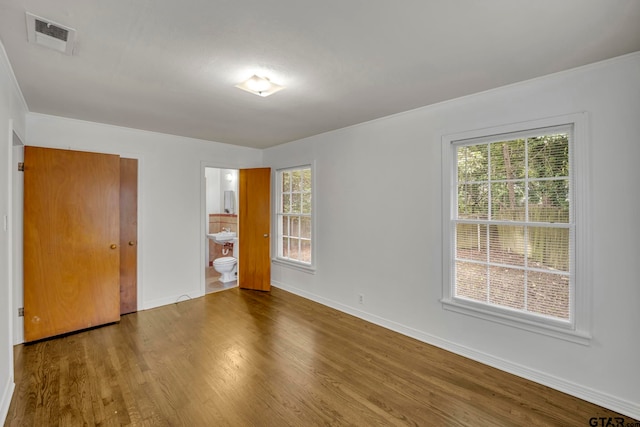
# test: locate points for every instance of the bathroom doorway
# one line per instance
(221, 229)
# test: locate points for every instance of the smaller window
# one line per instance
(294, 215)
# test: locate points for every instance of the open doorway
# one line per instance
(221, 229)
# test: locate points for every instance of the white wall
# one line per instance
(378, 192)
(12, 119)
(171, 196)
(216, 184)
(229, 185)
(212, 176)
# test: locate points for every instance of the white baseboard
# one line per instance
(7, 393)
(159, 302)
(605, 400)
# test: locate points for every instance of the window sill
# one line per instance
(513, 320)
(294, 265)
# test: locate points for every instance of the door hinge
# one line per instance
(20, 166)
(21, 312)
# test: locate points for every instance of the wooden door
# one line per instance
(254, 260)
(71, 236)
(128, 235)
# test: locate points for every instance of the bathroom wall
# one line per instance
(219, 222)
(228, 182)
(219, 180)
(379, 233)
(212, 178)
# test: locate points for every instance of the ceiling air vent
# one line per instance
(50, 34)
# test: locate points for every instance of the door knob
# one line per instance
(131, 243)
(266, 235)
(114, 246)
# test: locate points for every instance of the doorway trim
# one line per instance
(14, 236)
(204, 164)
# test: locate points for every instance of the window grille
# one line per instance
(294, 215)
(511, 219)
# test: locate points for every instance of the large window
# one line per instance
(294, 215)
(511, 226)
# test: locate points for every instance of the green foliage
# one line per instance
(473, 191)
(296, 191)
(549, 158)
(504, 169)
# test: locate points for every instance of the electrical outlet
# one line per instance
(360, 299)
(21, 311)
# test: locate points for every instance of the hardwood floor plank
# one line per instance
(243, 358)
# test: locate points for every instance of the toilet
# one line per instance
(227, 265)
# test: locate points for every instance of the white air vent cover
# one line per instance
(49, 34)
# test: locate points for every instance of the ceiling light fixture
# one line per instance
(260, 86)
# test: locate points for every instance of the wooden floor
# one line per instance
(243, 358)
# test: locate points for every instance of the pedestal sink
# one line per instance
(222, 237)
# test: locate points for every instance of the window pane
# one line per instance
(473, 201)
(306, 180)
(286, 203)
(286, 184)
(305, 227)
(548, 294)
(507, 245)
(507, 201)
(294, 252)
(295, 226)
(507, 287)
(507, 160)
(549, 248)
(306, 203)
(549, 156)
(549, 201)
(472, 163)
(471, 281)
(296, 202)
(285, 225)
(296, 180)
(285, 247)
(471, 241)
(305, 254)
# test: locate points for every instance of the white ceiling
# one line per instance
(171, 65)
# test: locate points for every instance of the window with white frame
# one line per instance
(294, 215)
(510, 225)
